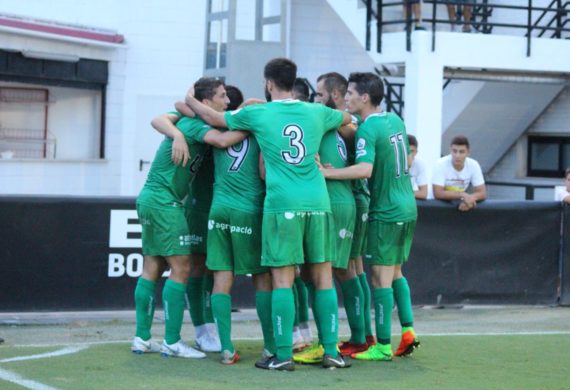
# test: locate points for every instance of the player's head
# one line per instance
(300, 90)
(211, 92)
(280, 75)
(365, 91)
(413, 141)
(459, 149)
(567, 178)
(331, 89)
(235, 96)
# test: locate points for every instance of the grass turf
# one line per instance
(451, 362)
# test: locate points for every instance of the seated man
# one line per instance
(562, 194)
(454, 173)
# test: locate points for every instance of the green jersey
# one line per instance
(167, 183)
(202, 187)
(333, 151)
(382, 141)
(237, 181)
(289, 133)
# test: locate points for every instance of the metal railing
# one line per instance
(529, 189)
(553, 18)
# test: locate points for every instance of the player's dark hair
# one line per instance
(235, 96)
(334, 80)
(301, 90)
(460, 140)
(282, 72)
(368, 83)
(205, 88)
(412, 140)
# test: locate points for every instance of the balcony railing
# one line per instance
(550, 21)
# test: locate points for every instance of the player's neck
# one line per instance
(280, 95)
(369, 110)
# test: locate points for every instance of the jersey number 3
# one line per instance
(295, 135)
(400, 153)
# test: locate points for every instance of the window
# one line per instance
(51, 109)
(217, 34)
(548, 156)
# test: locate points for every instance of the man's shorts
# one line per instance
(234, 241)
(359, 240)
(344, 218)
(296, 237)
(389, 243)
(164, 231)
(197, 220)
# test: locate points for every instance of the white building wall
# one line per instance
(162, 56)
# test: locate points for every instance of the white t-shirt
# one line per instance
(451, 180)
(418, 174)
(560, 192)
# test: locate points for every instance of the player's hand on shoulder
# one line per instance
(252, 101)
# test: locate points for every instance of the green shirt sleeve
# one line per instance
(332, 118)
(365, 145)
(238, 119)
(179, 115)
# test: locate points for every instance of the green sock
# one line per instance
(283, 311)
(326, 304)
(263, 306)
(195, 294)
(353, 300)
(173, 303)
(403, 300)
(207, 291)
(366, 305)
(383, 304)
(311, 296)
(144, 305)
(296, 301)
(303, 306)
(222, 309)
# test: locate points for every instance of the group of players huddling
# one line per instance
(289, 192)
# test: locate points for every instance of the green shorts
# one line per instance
(164, 231)
(344, 217)
(389, 243)
(234, 241)
(359, 239)
(296, 237)
(197, 221)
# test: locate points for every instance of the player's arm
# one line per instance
(361, 170)
(262, 167)
(348, 129)
(184, 109)
(439, 192)
(165, 124)
(224, 139)
(421, 192)
(566, 199)
(208, 114)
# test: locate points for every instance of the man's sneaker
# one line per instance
(347, 348)
(275, 364)
(229, 357)
(378, 352)
(208, 342)
(312, 355)
(140, 346)
(408, 344)
(180, 349)
(265, 357)
(335, 362)
(370, 340)
(298, 341)
(306, 332)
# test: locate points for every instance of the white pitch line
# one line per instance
(10, 376)
(467, 334)
(61, 352)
